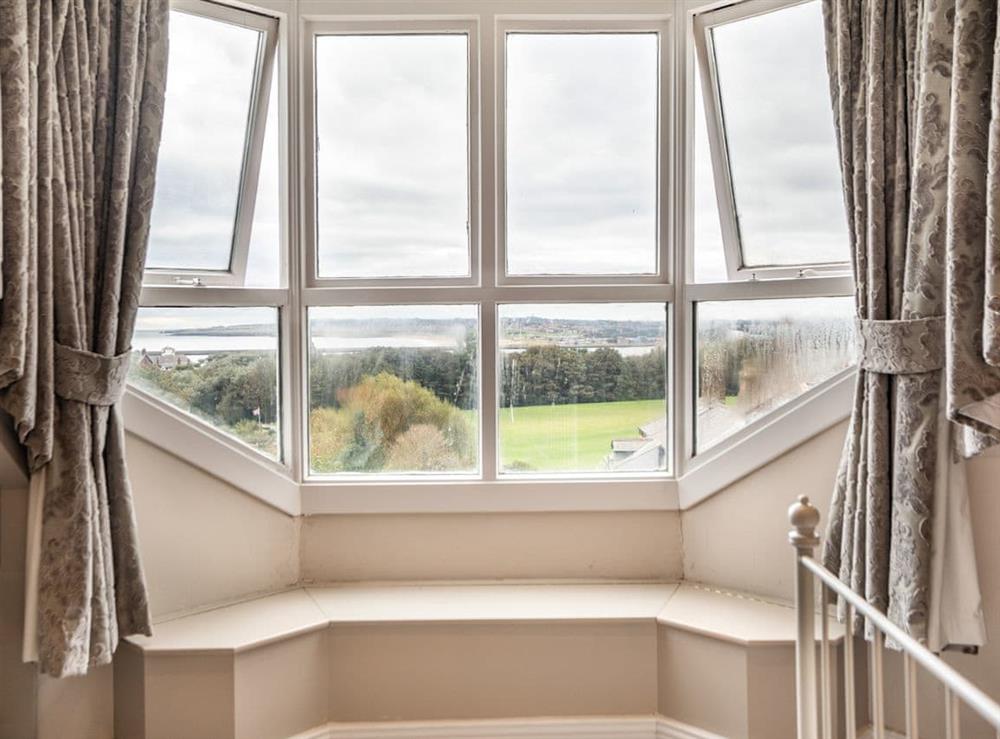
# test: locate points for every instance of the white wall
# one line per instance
(738, 539)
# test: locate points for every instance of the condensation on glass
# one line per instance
(582, 388)
(581, 153)
(392, 161)
(393, 389)
(217, 364)
(210, 81)
(780, 138)
(756, 355)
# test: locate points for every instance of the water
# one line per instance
(156, 341)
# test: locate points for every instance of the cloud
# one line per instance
(209, 84)
(582, 144)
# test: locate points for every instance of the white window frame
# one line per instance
(287, 485)
(235, 274)
(736, 268)
(488, 286)
(823, 405)
(217, 289)
(664, 218)
(417, 25)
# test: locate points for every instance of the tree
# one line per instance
(361, 433)
(423, 448)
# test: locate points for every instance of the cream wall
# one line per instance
(488, 546)
(202, 542)
(738, 539)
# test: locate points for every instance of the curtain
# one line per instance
(81, 103)
(916, 87)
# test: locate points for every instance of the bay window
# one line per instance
(771, 307)
(447, 248)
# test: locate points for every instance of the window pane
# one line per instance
(581, 392)
(779, 127)
(263, 259)
(210, 77)
(219, 364)
(393, 389)
(581, 153)
(709, 256)
(755, 355)
(393, 155)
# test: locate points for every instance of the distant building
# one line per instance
(643, 454)
(166, 359)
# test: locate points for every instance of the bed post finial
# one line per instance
(804, 518)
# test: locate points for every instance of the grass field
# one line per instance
(564, 438)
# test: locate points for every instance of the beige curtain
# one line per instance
(81, 103)
(915, 91)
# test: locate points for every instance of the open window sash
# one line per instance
(235, 274)
(738, 267)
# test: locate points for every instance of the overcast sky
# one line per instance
(581, 147)
(783, 156)
(209, 83)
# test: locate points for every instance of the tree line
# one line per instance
(243, 385)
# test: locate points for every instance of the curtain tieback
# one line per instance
(903, 347)
(95, 379)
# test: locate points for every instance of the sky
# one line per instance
(167, 319)
(209, 84)
(782, 148)
(838, 308)
(581, 117)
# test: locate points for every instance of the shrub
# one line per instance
(361, 434)
(423, 448)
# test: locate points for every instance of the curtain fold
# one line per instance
(82, 87)
(914, 85)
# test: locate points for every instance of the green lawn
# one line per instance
(564, 438)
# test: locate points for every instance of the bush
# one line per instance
(423, 448)
(257, 435)
(361, 434)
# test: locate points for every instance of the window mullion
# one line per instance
(489, 399)
(680, 362)
(294, 343)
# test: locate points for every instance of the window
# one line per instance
(755, 355)
(209, 334)
(581, 175)
(772, 312)
(392, 155)
(218, 84)
(583, 388)
(398, 383)
(219, 364)
(773, 150)
(455, 251)
(393, 389)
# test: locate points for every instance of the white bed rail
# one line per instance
(812, 684)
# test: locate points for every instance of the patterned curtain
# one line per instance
(916, 89)
(81, 104)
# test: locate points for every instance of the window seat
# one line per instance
(279, 665)
(727, 615)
